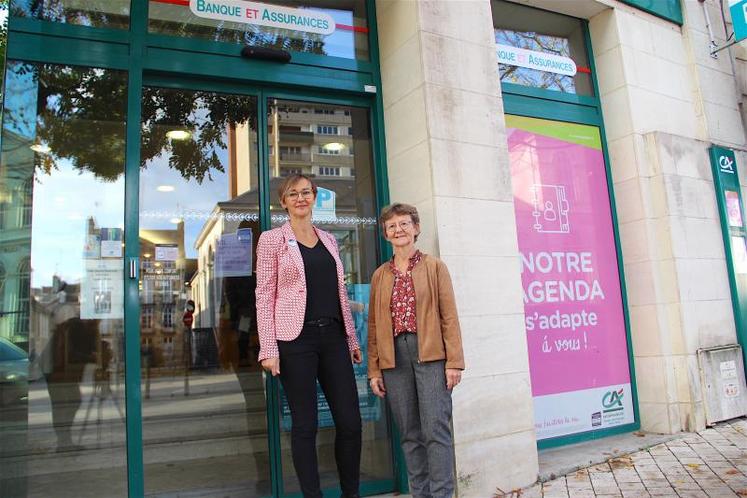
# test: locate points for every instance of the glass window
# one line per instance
(62, 304)
(541, 49)
(99, 13)
(337, 28)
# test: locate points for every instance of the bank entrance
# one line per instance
(137, 174)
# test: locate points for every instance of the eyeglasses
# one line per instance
(294, 195)
(403, 225)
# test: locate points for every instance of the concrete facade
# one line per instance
(665, 100)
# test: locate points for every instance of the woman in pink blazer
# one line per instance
(306, 334)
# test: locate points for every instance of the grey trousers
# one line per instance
(421, 405)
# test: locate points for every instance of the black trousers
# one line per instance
(322, 353)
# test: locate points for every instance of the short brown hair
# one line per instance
(399, 209)
(290, 181)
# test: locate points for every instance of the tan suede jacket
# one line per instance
(439, 335)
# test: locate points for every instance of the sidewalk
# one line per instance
(711, 463)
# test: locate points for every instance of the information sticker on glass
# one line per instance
(739, 254)
(233, 254)
(111, 242)
(167, 252)
(733, 208)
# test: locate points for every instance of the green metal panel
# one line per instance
(133, 397)
(522, 105)
(726, 177)
(559, 106)
(671, 10)
(232, 49)
(64, 30)
(238, 68)
(67, 51)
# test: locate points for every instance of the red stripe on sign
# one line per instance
(357, 29)
(583, 69)
(183, 3)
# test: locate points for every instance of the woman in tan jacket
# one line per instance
(415, 352)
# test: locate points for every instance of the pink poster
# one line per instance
(578, 353)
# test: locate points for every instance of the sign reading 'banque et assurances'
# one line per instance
(532, 59)
(261, 14)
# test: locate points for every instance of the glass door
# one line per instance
(213, 424)
(332, 144)
(203, 398)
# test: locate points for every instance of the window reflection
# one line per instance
(349, 38)
(332, 144)
(204, 422)
(100, 13)
(62, 420)
(523, 27)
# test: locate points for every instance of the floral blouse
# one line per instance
(403, 297)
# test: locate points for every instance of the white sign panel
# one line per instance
(324, 209)
(580, 411)
(111, 242)
(167, 252)
(102, 289)
(233, 254)
(531, 59)
(260, 14)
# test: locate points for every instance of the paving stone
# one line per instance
(681, 483)
(724, 492)
(691, 493)
(656, 483)
(662, 492)
(631, 486)
(635, 494)
(649, 475)
(602, 467)
(626, 475)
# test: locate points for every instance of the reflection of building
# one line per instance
(15, 245)
(165, 272)
(319, 141)
(314, 140)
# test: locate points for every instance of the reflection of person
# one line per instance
(71, 347)
(306, 333)
(415, 352)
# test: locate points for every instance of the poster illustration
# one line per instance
(102, 289)
(578, 355)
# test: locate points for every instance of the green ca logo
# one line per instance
(612, 398)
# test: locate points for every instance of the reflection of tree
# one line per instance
(182, 24)
(108, 13)
(81, 114)
(532, 77)
(206, 114)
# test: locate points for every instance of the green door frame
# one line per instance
(554, 105)
(200, 64)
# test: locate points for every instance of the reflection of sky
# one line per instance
(341, 42)
(63, 202)
(20, 100)
(187, 196)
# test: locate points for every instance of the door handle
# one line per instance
(133, 268)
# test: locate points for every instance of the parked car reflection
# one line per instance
(14, 368)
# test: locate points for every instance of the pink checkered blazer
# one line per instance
(281, 289)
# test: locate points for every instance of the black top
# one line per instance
(322, 294)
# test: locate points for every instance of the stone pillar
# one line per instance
(446, 153)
